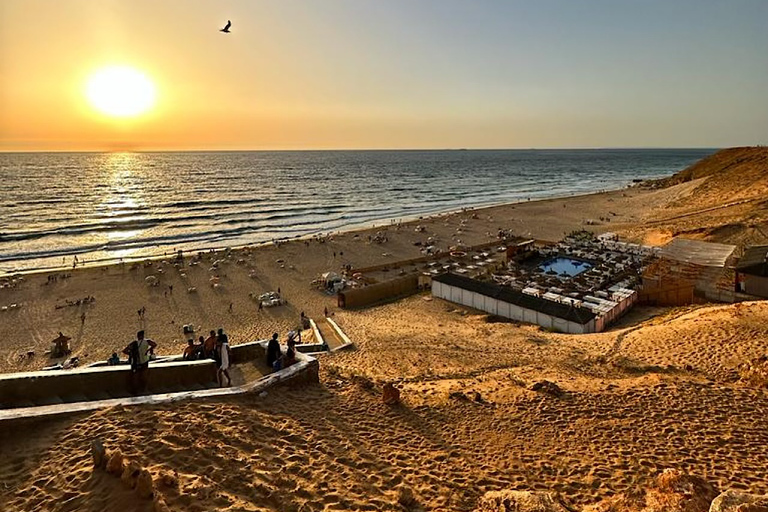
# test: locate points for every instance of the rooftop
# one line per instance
(697, 252)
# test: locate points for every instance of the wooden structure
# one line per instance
(690, 271)
(379, 292)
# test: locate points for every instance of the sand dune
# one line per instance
(337, 447)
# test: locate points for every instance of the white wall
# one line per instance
(511, 311)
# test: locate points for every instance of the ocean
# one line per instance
(107, 206)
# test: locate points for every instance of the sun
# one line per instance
(120, 91)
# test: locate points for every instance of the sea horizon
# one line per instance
(309, 150)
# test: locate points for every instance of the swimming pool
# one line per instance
(568, 266)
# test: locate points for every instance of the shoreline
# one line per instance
(351, 228)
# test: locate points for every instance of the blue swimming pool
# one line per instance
(566, 266)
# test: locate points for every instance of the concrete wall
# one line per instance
(670, 293)
(253, 351)
(305, 371)
(61, 388)
(375, 293)
(101, 383)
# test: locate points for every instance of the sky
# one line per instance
(388, 74)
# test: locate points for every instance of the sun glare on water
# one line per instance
(120, 91)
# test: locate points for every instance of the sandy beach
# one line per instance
(111, 320)
(659, 390)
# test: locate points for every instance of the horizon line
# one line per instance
(583, 148)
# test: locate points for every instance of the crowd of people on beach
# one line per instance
(215, 346)
(77, 302)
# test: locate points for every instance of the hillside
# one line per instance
(724, 198)
(724, 162)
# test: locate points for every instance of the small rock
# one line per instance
(144, 486)
(520, 501)
(160, 506)
(675, 491)
(550, 388)
(130, 474)
(457, 395)
(99, 453)
(169, 479)
(406, 498)
(734, 501)
(391, 395)
(115, 463)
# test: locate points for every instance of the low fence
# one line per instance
(677, 294)
(380, 292)
(100, 383)
(86, 388)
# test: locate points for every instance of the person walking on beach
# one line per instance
(223, 358)
(138, 352)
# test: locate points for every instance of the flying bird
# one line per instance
(226, 27)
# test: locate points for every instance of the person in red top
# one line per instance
(209, 346)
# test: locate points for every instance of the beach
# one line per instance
(120, 290)
(658, 390)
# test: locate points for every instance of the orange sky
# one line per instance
(300, 74)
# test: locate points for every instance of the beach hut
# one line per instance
(690, 271)
(752, 271)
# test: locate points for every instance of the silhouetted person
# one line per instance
(273, 351)
(223, 357)
(138, 352)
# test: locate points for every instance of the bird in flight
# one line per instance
(226, 27)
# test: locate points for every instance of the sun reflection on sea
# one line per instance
(121, 205)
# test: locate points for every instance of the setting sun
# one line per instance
(120, 91)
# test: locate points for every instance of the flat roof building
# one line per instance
(554, 312)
